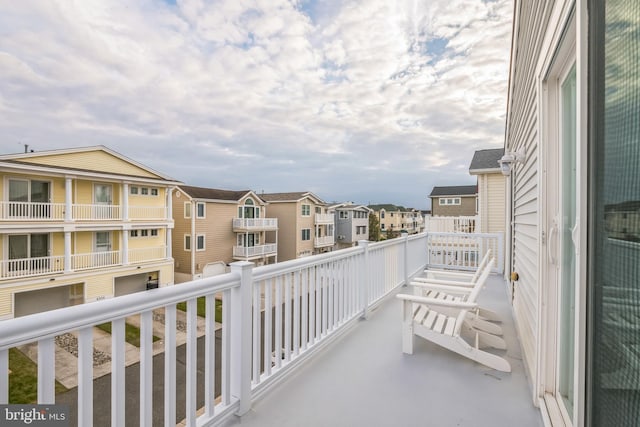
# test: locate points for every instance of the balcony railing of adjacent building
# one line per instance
(451, 224)
(319, 242)
(255, 223)
(292, 309)
(255, 251)
(31, 211)
(324, 218)
(28, 267)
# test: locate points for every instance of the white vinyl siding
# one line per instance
(522, 134)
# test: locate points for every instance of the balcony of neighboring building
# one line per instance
(252, 252)
(41, 254)
(241, 225)
(321, 242)
(324, 218)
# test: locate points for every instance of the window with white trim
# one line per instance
(306, 210)
(306, 234)
(154, 191)
(144, 191)
(201, 210)
(187, 209)
(187, 242)
(200, 246)
(134, 190)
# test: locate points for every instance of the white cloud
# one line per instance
(346, 97)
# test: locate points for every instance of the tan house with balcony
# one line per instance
(216, 227)
(305, 226)
(80, 225)
(454, 200)
(396, 219)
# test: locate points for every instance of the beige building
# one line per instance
(216, 227)
(398, 220)
(80, 225)
(458, 200)
(492, 190)
(305, 227)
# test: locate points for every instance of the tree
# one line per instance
(374, 228)
(392, 234)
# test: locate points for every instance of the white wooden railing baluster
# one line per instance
(226, 349)
(305, 308)
(278, 329)
(85, 376)
(312, 305)
(255, 354)
(46, 371)
(170, 365)
(296, 312)
(268, 309)
(210, 356)
(287, 317)
(117, 372)
(4, 377)
(146, 369)
(192, 362)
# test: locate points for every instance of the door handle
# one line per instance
(552, 231)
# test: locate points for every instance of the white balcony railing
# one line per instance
(147, 212)
(324, 218)
(254, 251)
(451, 224)
(292, 309)
(94, 212)
(95, 260)
(147, 254)
(323, 241)
(26, 267)
(28, 211)
(255, 223)
(464, 251)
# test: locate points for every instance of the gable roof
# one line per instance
(91, 160)
(486, 161)
(454, 190)
(213, 193)
(350, 207)
(290, 197)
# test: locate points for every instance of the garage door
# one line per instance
(43, 300)
(130, 284)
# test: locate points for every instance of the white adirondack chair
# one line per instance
(445, 320)
(458, 276)
(481, 318)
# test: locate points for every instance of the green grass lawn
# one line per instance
(201, 308)
(131, 333)
(23, 379)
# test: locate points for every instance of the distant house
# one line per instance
(304, 225)
(458, 200)
(214, 227)
(398, 219)
(352, 224)
(492, 187)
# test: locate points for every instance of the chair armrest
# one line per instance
(443, 288)
(445, 282)
(437, 302)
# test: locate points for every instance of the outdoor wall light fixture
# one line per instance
(508, 160)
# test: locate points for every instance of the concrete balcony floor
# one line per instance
(364, 379)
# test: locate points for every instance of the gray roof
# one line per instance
(290, 197)
(454, 190)
(213, 193)
(486, 159)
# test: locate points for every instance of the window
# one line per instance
(154, 232)
(187, 209)
(133, 190)
(200, 242)
(133, 233)
(200, 210)
(144, 191)
(144, 233)
(445, 201)
(154, 191)
(381, 226)
(344, 214)
(382, 214)
(318, 209)
(187, 242)
(306, 210)
(306, 234)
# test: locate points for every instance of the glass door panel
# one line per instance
(567, 224)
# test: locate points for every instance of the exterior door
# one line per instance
(102, 249)
(102, 199)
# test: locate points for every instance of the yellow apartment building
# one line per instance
(305, 227)
(398, 220)
(80, 225)
(216, 227)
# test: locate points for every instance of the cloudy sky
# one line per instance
(371, 101)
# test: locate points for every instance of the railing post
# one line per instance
(68, 209)
(364, 278)
(67, 252)
(405, 237)
(240, 329)
(500, 260)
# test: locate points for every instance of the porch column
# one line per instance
(169, 203)
(67, 251)
(125, 247)
(68, 206)
(125, 201)
(169, 243)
